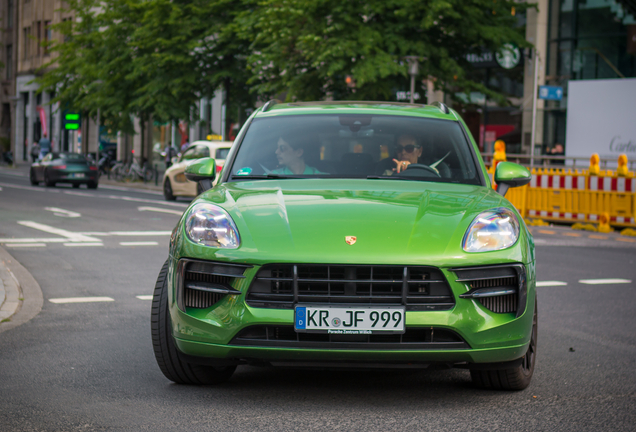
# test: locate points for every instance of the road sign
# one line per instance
(72, 121)
(550, 92)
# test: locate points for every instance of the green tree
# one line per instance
(306, 48)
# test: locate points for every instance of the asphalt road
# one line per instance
(90, 366)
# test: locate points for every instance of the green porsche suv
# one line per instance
(350, 234)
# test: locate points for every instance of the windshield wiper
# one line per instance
(264, 176)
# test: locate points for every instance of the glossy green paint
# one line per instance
(512, 174)
(201, 169)
(395, 221)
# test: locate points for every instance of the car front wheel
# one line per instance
(168, 358)
(517, 378)
(167, 191)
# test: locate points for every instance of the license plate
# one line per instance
(77, 175)
(349, 320)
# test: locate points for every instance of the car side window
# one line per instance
(202, 152)
(190, 154)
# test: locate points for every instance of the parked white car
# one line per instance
(174, 181)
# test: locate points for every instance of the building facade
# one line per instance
(8, 48)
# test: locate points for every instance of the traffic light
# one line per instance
(72, 120)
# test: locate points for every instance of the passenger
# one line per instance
(290, 155)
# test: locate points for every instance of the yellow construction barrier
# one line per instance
(576, 196)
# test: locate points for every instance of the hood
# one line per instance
(393, 221)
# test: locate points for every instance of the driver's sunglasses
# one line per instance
(407, 148)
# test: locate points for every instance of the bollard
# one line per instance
(623, 170)
(595, 168)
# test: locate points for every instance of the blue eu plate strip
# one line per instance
(301, 314)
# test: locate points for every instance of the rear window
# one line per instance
(73, 157)
(222, 153)
(355, 146)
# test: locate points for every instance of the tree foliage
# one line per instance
(306, 47)
(158, 57)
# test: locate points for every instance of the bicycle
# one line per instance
(136, 172)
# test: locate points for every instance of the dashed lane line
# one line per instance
(160, 210)
(546, 232)
(598, 237)
(551, 283)
(25, 245)
(604, 281)
(81, 299)
(62, 213)
(627, 240)
(144, 297)
(140, 233)
(31, 188)
(83, 244)
(151, 243)
(572, 234)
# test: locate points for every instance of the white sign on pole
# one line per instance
(601, 118)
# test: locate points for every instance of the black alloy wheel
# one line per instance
(47, 180)
(517, 378)
(167, 190)
(33, 178)
(168, 358)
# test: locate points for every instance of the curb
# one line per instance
(20, 295)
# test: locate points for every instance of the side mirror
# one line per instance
(508, 174)
(202, 171)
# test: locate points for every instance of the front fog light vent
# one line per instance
(203, 284)
(500, 289)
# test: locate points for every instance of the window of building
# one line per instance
(10, 14)
(26, 40)
(39, 37)
(48, 33)
(9, 65)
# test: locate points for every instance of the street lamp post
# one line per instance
(414, 69)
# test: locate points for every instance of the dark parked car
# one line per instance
(64, 168)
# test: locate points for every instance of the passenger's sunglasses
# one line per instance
(407, 148)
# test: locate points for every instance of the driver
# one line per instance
(408, 152)
(290, 155)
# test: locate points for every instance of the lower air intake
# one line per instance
(501, 304)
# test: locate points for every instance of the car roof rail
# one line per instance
(270, 104)
(443, 108)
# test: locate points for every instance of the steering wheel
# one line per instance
(423, 167)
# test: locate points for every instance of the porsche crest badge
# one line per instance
(350, 239)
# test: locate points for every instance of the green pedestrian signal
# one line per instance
(72, 121)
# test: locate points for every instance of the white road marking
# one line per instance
(144, 297)
(85, 194)
(128, 198)
(551, 283)
(31, 188)
(140, 233)
(33, 240)
(74, 237)
(63, 213)
(83, 244)
(139, 243)
(81, 299)
(160, 210)
(15, 245)
(604, 281)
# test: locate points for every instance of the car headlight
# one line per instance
(492, 230)
(210, 225)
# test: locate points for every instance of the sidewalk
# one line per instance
(20, 294)
(10, 293)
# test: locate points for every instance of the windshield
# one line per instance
(355, 146)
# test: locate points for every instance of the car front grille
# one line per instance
(500, 288)
(285, 336)
(200, 284)
(419, 288)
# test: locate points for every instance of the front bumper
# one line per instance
(209, 334)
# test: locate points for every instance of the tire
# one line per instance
(168, 358)
(91, 185)
(48, 181)
(76, 185)
(33, 178)
(167, 191)
(511, 379)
